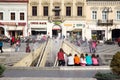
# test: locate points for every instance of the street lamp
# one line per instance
(16, 29)
(28, 28)
(106, 11)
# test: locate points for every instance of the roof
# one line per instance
(14, 0)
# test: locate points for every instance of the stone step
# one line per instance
(31, 78)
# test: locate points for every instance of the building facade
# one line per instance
(56, 17)
(103, 19)
(13, 17)
(99, 19)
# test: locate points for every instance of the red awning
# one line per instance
(56, 27)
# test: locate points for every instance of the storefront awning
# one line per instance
(15, 28)
(56, 27)
(39, 29)
(77, 30)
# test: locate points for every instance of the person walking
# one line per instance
(90, 45)
(28, 50)
(17, 45)
(1, 45)
(61, 60)
(13, 40)
(118, 40)
(94, 45)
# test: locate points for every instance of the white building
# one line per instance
(103, 19)
(13, 17)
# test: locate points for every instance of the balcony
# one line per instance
(56, 18)
(105, 22)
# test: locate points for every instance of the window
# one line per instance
(68, 11)
(79, 11)
(34, 10)
(118, 15)
(12, 16)
(21, 16)
(94, 15)
(1, 15)
(104, 15)
(45, 11)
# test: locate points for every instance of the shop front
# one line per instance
(38, 27)
(75, 29)
(13, 28)
(98, 34)
(78, 30)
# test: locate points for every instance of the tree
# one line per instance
(115, 63)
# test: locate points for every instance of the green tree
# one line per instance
(115, 63)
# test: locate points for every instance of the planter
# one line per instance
(2, 69)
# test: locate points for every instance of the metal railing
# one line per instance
(68, 48)
(105, 22)
(43, 56)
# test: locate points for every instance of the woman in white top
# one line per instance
(70, 60)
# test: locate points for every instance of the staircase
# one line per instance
(8, 59)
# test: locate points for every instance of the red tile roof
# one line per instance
(14, 0)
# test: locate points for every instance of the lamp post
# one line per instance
(16, 29)
(106, 11)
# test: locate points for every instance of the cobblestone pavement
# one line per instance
(7, 48)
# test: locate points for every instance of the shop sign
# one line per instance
(21, 23)
(13, 23)
(41, 23)
(79, 25)
(67, 24)
(8, 23)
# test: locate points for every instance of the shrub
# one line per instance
(115, 63)
(106, 76)
(2, 69)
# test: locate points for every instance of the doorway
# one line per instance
(2, 30)
(56, 31)
(115, 34)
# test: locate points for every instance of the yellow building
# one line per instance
(86, 18)
(56, 17)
